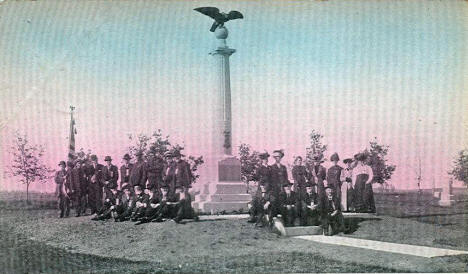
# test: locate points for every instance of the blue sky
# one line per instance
(353, 70)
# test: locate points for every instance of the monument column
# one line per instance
(224, 191)
(222, 132)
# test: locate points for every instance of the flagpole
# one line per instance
(71, 146)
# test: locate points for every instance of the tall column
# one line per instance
(224, 192)
(222, 133)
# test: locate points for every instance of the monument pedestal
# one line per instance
(228, 194)
(446, 197)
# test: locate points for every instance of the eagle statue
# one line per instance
(219, 17)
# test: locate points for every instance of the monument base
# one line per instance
(446, 202)
(227, 195)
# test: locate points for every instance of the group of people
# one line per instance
(317, 197)
(152, 190)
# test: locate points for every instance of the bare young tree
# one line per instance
(27, 163)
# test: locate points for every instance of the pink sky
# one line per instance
(351, 70)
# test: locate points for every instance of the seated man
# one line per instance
(308, 211)
(106, 210)
(172, 205)
(125, 205)
(140, 203)
(260, 209)
(331, 216)
(153, 206)
(287, 205)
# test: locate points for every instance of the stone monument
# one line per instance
(223, 190)
(446, 197)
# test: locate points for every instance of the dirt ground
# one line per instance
(35, 240)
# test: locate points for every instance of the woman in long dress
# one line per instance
(362, 178)
(347, 186)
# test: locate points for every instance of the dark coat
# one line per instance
(183, 174)
(60, 177)
(300, 176)
(154, 171)
(333, 176)
(284, 200)
(262, 176)
(169, 176)
(73, 179)
(278, 177)
(111, 175)
(97, 173)
(125, 172)
(308, 198)
(327, 206)
(138, 174)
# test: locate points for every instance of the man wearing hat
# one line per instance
(125, 170)
(331, 216)
(154, 171)
(334, 175)
(262, 173)
(288, 202)
(125, 204)
(307, 208)
(95, 185)
(73, 180)
(260, 209)
(61, 190)
(169, 175)
(319, 174)
(347, 186)
(183, 172)
(138, 172)
(110, 176)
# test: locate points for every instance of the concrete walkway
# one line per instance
(414, 250)
(224, 217)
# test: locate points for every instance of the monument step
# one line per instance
(231, 198)
(230, 188)
(295, 230)
(217, 207)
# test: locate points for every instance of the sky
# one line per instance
(352, 70)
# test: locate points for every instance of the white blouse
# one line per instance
(362, 169)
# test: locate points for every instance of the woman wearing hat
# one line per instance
(347, 186)
(334, 175)
(362, 176)
(300, 176)
(262, 174)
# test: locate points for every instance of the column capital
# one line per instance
(225, 51)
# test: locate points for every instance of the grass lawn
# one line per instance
(35, 240)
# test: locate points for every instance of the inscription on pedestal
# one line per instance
(229, 170)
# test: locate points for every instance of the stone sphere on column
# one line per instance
(221, 32)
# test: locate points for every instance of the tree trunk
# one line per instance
(27, 194)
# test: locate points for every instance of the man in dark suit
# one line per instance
(61, 190)
(288, 203)
(110, 174)
(95, 186)
(183, 172)
(308, 212)
(138, 172)
(319, 174)
(278, 178)
(125, 171)
(81, 166)
(331, 216)
(73, 179)
(125, 204)
(109, 204)
(140, 204)
(154, 171)
(169, 175)
(260, 209)
(153, 206)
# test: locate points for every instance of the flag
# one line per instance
(71, 146)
